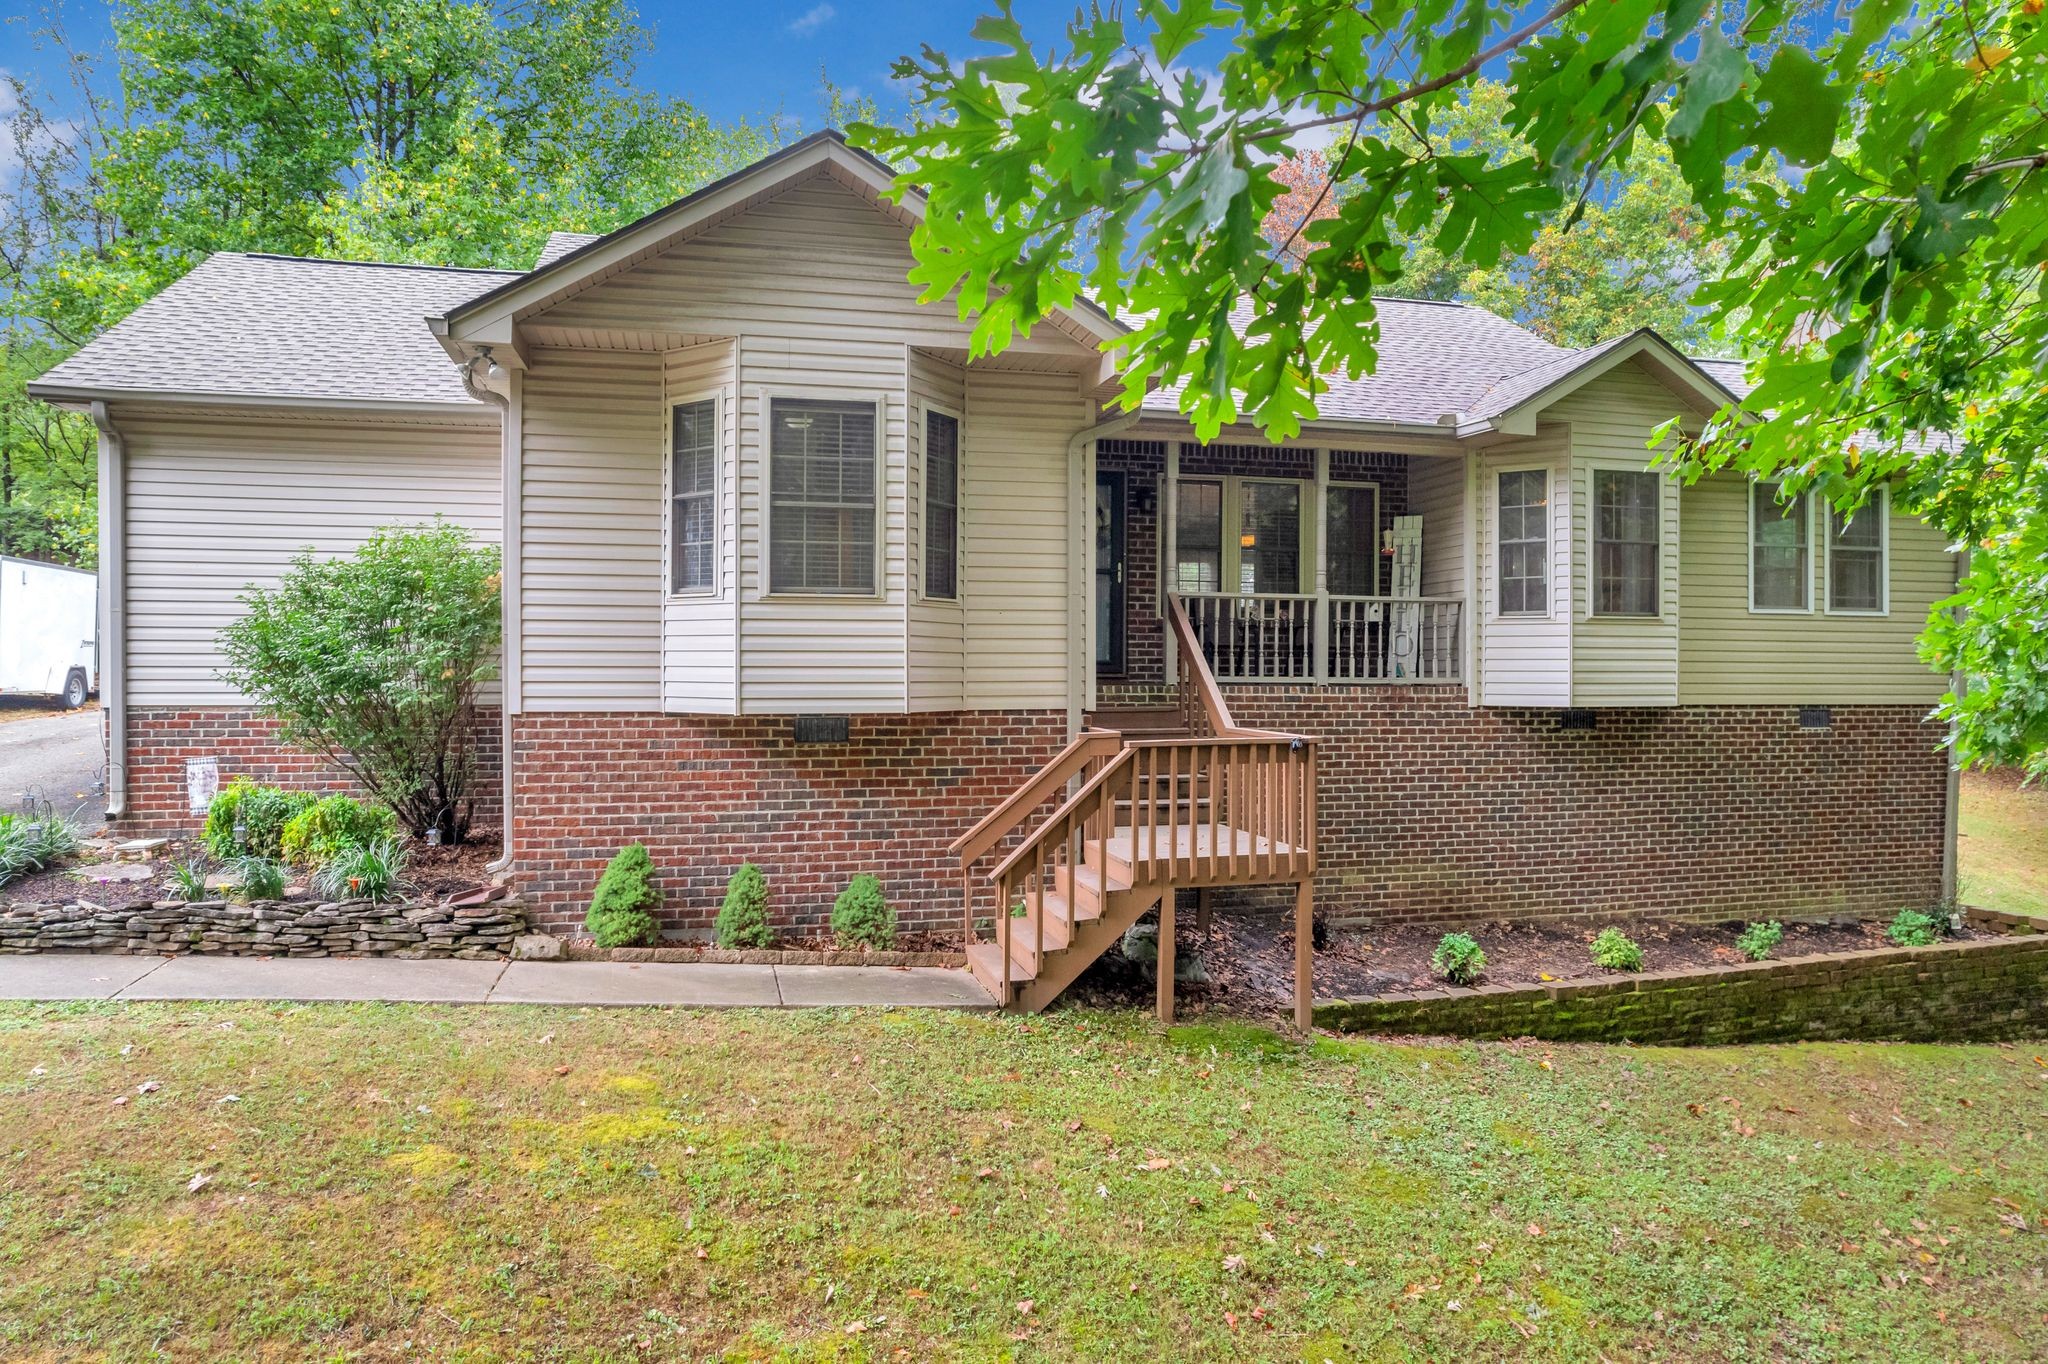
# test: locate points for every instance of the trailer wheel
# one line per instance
(75, 689)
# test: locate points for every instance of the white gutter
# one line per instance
(113, 608)
(1080, 558)
(76, 397)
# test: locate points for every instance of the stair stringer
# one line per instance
(1092, 938)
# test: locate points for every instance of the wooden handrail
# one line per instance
(1067, 808)
(1195, 672)
(993, 827)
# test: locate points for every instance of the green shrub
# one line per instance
(374, 661)
(258, 878)
(862, 916)
(363, 871)
(28, 845)
(248, 820)
(1760, 940)
(188, 879)
(316, 834)
(743, 918)
(1616, 951)
(1912, 928)
(622, 910)
(1458, 959)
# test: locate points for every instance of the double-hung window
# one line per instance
(1780, 551)
(693, 495)
(941, 506)
(1198, 537)
(1627, 543)
(1857, 543)
(822, 505)
(1352, 523)
(1524, 510)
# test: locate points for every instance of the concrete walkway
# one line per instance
(597, 983)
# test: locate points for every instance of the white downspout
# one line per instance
(508, 588)
(113, 607)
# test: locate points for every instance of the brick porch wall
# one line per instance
(1433, 811)
(706, 793)
(160, 741)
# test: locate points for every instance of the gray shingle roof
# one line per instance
(277, 327)
(1434, 358)
(560, 244)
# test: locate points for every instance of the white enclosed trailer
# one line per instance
(49, 630)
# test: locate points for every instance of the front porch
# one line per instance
(1294, 565)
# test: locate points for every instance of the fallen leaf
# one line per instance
(148, 1087)
(198, 1182)
(1157, 1163)
(1533, 1229)
(1233, 1264)
(1025, 1306)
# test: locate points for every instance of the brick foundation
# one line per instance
(1437, 812)
(706, 793)
(160, 741)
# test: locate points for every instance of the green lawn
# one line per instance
(2003, 852)
(398, 1182)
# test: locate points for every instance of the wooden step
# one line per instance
(1092, 886)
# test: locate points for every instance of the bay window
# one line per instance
(1523, 512)
(941, 506)
(823, 507)
(1627, 541)
(693, 488)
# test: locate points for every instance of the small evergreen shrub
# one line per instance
(743, 918)
(316, 835)
(1458, 959)
(363, 871)
(258, 878)
(1760, 940)
(259, 812)
(622, 911)
(862, 916)
(188, 879)
(1616, 951)
(1912, 928)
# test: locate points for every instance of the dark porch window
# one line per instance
(1198, 538)
(1352, 523)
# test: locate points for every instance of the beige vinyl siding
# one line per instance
(217, 503)
(938, 646)
(699, 657)
(1017, 541)
(1436, 492)
(1525, 660)
(1729, 656)
(591, 561)
(1618, 661)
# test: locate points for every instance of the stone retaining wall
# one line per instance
(1989, 990)
(265, 929)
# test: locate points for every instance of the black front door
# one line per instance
(1109, 574)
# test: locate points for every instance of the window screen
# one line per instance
(1625, 542)
(1856, 576)
(1352, 523)
(693, 486)
(1198, 538)
(941, 506)
(1780, 566)
(1525, 542)
(821, 515)
(1269, 537)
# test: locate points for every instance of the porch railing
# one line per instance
(1328, 638)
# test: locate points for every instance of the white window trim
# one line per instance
(1665, 595)
(1806, 500)
(1550, 555)
(1322, 528)
(880, 402)
(1881, 503)
(924, 501)
(716, 397)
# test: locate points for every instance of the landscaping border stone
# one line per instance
(1991, 989)
(772, 956)
(266, 928)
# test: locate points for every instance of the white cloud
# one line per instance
(812, 19)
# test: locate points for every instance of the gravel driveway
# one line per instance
(54, 756)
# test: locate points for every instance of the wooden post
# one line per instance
(1166, 956)
(1304, 954)
(1202, 909)
(967, 907)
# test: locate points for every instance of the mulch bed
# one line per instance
(1250, 961)
(431, 874)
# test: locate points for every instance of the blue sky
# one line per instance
(734, 60)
